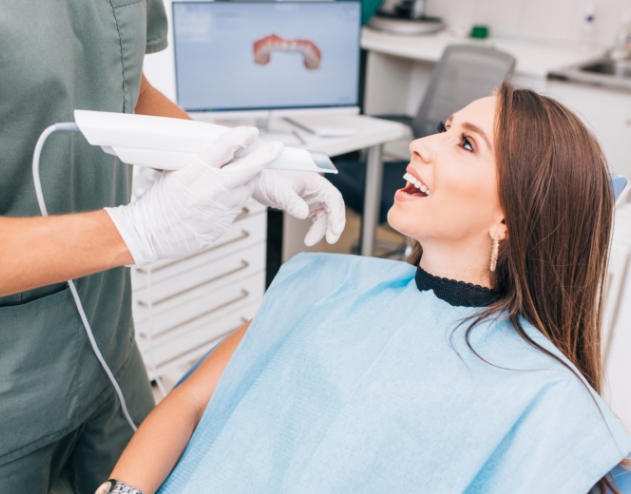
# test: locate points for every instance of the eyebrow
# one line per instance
(473, 128)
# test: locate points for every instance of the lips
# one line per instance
(416, 182)
(414, 190)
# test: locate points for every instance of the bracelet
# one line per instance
(113, 486)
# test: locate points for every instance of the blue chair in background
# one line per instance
(620, 186)
(622, 478)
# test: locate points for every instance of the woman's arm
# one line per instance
(160, 440)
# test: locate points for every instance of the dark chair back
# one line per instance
(464, 74)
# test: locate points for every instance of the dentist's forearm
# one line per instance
(36, 252)
(153, 102)
(39, 251)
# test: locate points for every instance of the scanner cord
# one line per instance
(71, 126)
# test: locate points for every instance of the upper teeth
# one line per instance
(416, 182)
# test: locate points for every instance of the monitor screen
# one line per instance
(249, 56)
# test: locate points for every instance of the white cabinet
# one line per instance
(606, 112)
(182, 308)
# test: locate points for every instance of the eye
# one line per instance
(465, 143)
(441, 127)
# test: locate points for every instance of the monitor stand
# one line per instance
(264, 128)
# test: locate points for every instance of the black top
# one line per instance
(457, 293)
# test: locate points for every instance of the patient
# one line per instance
(474, 369)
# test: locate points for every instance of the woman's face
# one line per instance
(457, 166)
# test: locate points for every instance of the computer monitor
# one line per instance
(288, 57)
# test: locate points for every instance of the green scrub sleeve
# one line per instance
(157, 26)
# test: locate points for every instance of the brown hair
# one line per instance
(554, 189)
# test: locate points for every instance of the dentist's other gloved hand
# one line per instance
(304, 195)
(187, 209)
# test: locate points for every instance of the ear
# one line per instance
(499, 229)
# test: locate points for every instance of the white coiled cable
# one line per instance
(71, 126)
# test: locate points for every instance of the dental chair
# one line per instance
(621, 187)
(463, 74)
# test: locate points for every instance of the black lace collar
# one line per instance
(457, 293)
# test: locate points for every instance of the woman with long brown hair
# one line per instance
(474, 369)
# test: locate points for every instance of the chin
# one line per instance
(402, 220)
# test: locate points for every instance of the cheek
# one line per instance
(467, 202)
(396, 219)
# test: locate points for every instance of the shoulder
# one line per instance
(157, 26)
(567, 397)
(549, 409)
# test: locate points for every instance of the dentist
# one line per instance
(61, 428)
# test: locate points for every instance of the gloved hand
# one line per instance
(304, 194)
(187, 209)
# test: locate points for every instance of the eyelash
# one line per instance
(463, 138)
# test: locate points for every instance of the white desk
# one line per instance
(370, 134)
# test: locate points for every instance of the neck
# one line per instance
(468, 264)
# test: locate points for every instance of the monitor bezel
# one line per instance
(266, 108)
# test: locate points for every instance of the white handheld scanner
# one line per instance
(171, 143)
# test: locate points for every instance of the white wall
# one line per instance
(538, 20)
(559, 21)
(159, 67)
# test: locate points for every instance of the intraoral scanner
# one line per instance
(171, 143)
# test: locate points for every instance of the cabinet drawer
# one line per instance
(250, 230)
(196, 304)
(184, 348)
(219, 271)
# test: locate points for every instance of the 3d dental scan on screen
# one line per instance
(315, 247)
(238, 56)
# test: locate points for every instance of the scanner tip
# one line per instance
(323, 162)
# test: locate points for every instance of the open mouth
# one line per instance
(414, 187)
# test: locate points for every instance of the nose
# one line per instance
(422, 149)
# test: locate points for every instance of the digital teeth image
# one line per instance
(264, 47)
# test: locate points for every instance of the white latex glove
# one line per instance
(187, 209)
(304, 194)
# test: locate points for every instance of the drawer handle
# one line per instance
(180, 355)
(244, 234)
(244, 294)
(244, 265)
(244, 212)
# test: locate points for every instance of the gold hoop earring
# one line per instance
(495, 251)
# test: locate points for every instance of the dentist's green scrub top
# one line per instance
(56, 56)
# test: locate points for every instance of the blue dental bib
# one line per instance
(351, 379)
